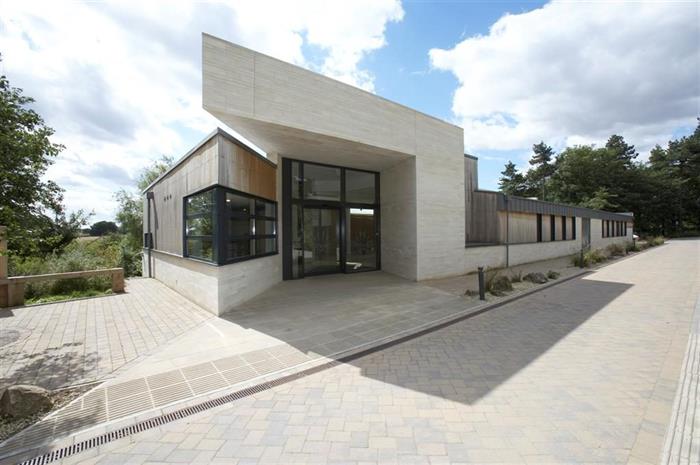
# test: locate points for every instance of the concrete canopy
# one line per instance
(297, 113)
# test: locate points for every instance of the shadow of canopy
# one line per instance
(462, 362)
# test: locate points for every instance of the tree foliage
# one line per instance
(30, 206)
(663, 193)
(102, 228)
(130, 209)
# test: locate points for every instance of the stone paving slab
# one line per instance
(682, 445)
(68, 343)
(574, 374)
(118, 400)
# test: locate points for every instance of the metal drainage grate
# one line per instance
(170, 417)
(249, 391)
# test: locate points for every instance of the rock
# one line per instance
(23, 400)
(537, 278)
(551, 274)
(500, 284)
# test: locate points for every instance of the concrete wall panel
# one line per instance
(398, 219)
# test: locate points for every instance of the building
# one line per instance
(351, 182)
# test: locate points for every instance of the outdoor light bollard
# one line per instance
(482, 293)
(580, 259)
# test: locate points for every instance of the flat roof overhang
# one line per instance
(310, 146)
(294, 112)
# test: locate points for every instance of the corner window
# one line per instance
(225, 226)
(252, 226)
(200, 225)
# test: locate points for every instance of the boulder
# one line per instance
(23, 400)
(537, 278)
(500, 284)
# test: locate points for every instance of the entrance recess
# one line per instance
(330, 219)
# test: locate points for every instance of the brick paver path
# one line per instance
(584, 372)
(683, 438)
(73, 342)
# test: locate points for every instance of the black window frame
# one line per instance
(539, 227)
(573, 228)
(552, 228)
(563, 228)
(220, 238)
(293, 195)
(212, 236)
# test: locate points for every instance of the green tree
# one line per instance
(30, 206)
(663, 193)
(678, 167)
(102, 228)
(130, 209)
(512, 182)
(543, 167)
(622, 150)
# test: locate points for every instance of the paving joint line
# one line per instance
(48, 453)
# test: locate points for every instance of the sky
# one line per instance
(121, 82)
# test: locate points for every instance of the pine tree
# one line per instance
(512, 182)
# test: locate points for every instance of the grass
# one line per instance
(84, 253)
(591, 257)
(615, 250)
(68, 296)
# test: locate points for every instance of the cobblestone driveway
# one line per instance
(584, 372)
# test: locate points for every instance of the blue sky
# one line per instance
(404, 73)
(121, 82)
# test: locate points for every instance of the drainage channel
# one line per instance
(155, 422)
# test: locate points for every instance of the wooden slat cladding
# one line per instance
(200, 170)
(218, 160)
(243, 170)
(484, 222)
(522, 226)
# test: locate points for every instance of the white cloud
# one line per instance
(121, 82)
(577, 72)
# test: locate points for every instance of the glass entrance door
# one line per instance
(321, 243)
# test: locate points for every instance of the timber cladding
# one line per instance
(243, 170)
(218, 160)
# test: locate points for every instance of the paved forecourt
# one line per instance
(582, 372)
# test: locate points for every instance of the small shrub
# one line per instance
(551, 274)
(536, 278)
(112, 251)
(654, 241)
(591, 257)
(632, 247)
(497, 284)
(594, 256)
(615, 250)
(516, 276)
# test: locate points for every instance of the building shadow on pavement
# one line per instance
(466, 361)
(462, 362)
